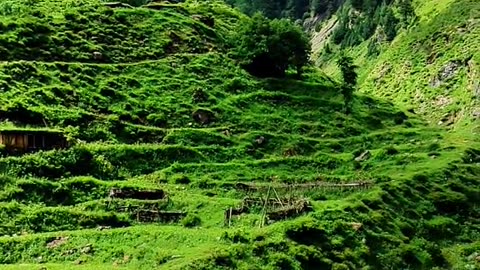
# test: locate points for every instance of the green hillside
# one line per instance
(181, 159)
(434, 66)
(430, 66)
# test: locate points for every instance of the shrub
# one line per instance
(269, 47)
(308, 232)
(441, 227)
(281, 261)
(339, 266)
(450, 201)
(181, 179)
(191, 220)
(237, 236)
(433, 147)
(157, 119)
(390, 150)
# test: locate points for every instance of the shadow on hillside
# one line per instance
(372, 110)
(302, 88)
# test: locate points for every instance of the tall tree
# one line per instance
(349, 75)
(406, 10)
(390, 23)
(267, 48)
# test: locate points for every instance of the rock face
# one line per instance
(448, 119)
(356, 226)
(203, 117)
(447, 72)
(57, 242)
(117, 5)
(435, 82)
(476, 114)
(260, 140)
(97, 55)
(476, 90)
(442, 101)
(364, 156)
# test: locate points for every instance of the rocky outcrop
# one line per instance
(364, 156)
(448, 71)
(202, 116)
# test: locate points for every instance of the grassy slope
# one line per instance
(131, 113)
(447, 32)
(409, 70)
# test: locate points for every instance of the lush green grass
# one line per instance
(131, 119)
(70, 31)
(412, 71)
(419, 56)
(408, 71)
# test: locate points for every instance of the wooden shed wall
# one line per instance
(15, 140)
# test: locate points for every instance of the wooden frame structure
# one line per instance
(29, 140)
(275, 207)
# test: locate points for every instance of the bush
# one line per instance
(340, 266)
(450, 202)
(269, 47)
(433, 147)
(156, 119)
(308, 232)
(391, 150)
(191, 220)
(281, 261)
(238, 236)
(181, 179)
(441, 227)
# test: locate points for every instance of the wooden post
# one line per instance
(278, 198)
(230, 218)
(108, 203)
(264, 211)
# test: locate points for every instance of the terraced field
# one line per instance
(185, 161)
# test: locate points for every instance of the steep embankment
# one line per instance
(431, 66)
(171, 138)
(434, 67)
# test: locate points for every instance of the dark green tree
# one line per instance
(267, 48)
(349, 75)
(296, 8)
(357, 4)
(390, 23)
(406, 10)
(340, 33)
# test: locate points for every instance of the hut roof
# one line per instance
(36, 131)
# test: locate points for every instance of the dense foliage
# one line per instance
(349, 76)
(370, 18)
(267, 48)
(358, 20)
(271, 8)
(170, 134)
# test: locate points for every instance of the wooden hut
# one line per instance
(26, 140)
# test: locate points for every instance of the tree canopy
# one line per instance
(267, 48)
(349, 75)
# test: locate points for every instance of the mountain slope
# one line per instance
(434, 66)
(430, 67)
(182, 160)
